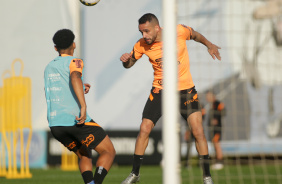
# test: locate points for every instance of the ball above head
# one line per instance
(89, 2)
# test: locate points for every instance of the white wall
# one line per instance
(118, 95)
(27, 28)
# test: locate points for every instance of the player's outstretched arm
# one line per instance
(127, 60)
(212, 49)
(77, 86)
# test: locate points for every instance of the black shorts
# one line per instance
(189, 103)
(89, 134)
(215, 133)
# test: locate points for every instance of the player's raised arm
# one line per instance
(127, 60)
(212, 49)
(77, 86)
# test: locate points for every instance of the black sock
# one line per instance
(137, 161)
(100, 174)
(205, 164)
(87, 176)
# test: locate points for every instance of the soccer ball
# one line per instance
(89, 2)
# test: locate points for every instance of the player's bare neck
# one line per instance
(64, 53)
(159, 37)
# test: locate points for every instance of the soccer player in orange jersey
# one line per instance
(151, 45)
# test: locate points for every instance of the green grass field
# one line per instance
(269, 174)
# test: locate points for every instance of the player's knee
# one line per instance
(112, 151)
(109, 150)
(198, 133)
(145, 129)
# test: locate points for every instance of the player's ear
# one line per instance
(157, 28)
(73, 45)
(55, 48)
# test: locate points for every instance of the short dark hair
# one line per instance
(210, 91)
(63, 39)
(148, 17)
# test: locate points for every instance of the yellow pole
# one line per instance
(2, 151)
(27, 171)
(69, 160)
(74, 161)
(20, 123)
(22, 153)
(63, 159)
(14, 129)
(6, 124)
(29, 126)
(2, 158)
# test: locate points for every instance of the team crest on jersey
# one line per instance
(160, 82)
(77, 63)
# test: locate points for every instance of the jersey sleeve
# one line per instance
(184, 31)
(76, 65)
(137, 51)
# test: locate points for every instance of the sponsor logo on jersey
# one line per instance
(71, 145)
(159, 60)
(88, 140)
(195, 99)
(54, 77)
(53, 113)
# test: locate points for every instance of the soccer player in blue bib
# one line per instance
(67, 114)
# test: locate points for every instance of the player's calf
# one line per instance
(106, 157)
(85, 164)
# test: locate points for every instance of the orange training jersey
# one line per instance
(154, 52)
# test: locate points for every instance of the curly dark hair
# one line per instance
(63, 39)
(148, 17)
